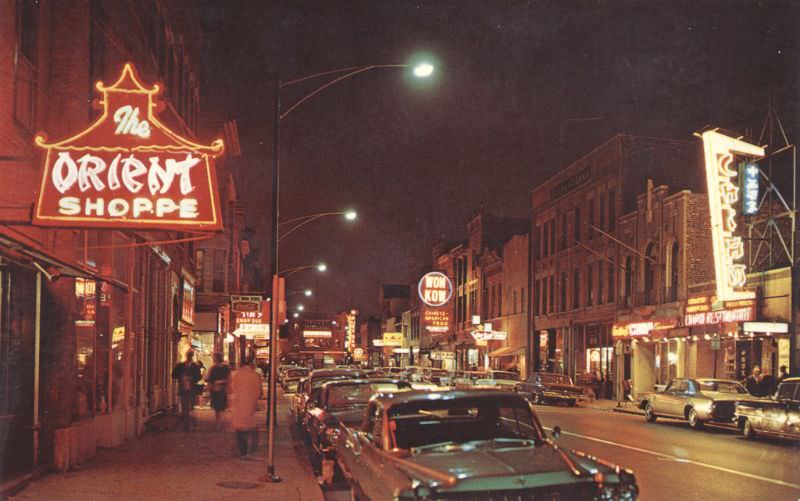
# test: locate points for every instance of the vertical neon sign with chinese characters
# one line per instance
(723, 195)
(750, 188)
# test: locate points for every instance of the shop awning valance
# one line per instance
(508, 351)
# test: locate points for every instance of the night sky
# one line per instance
(520, 89)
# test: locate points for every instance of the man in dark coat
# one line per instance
(188, 375)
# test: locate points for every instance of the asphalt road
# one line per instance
(674, 462)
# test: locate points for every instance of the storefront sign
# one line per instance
(489, 335)
(771, 327)
(128, 170)
(436, 320)
(750, 188)
(723, 195)
(443, 355)
(317, 334)
(720, 316)
(250, 316)
(377, 343)
(639, 329)
(435, 289)
(392, 339)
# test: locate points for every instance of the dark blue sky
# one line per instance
(498, 118)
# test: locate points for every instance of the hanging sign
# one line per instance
(489, 335)
(128, 170)
(750, 189)
(435, 289)
(723, 195)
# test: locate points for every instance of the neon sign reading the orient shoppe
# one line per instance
(723, 195)
(128, 170)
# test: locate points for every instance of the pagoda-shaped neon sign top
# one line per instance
(129, 170)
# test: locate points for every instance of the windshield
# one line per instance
(341, 396)
(419, 424)
(722, 386)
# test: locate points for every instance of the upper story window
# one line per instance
(25, 71)
(612, 210)
(577, 224)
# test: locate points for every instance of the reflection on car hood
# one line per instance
(490, 459)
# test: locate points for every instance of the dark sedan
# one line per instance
(778, 416)
(548, 387)
(341, 403)
(473, 444)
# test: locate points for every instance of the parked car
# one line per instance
(297, 401)
(316, 379)
(550, 387)
(778, 416)
(476, 444)
(697, 401)
(341, 403)
(465, 380)
(439, 377)
(291, 377)
(498, 380)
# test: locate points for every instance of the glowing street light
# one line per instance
(300, 307)
(350, 215)
(296, 315)
(321, 267)
(423, 70)
(301, 221)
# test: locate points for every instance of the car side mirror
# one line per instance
(556, 431)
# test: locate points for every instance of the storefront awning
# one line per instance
(508, 351)
(50, 265)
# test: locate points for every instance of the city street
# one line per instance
(672, 461)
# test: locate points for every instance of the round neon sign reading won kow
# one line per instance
(435, 289)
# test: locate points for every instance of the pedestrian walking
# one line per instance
(217, 380)
(245, 392)
(188, 375)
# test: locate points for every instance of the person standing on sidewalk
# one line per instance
(217, 379)
(245, 389)
(188, 375)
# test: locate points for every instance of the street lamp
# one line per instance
(300, 307)
(306, 293)
(320, 267)
(349, 215)
(420, 70)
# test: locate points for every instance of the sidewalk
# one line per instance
(175, 464)
(612, 406)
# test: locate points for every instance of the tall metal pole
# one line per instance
(275, 300)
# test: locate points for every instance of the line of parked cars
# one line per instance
(476, 437)
(704, 400)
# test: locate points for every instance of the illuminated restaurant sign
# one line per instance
(723, 195)
(392, 339)
(741, 314)
(435, 289)
(640, 329)
(436, 321)
(128, 170)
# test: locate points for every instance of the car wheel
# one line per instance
(649, 415)
(694, 421)
(747, 429)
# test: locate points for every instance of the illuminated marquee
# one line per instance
(436, 321)
(723, 195)
(742, 314)
(750, 188)
(435, 289)
(128, 170)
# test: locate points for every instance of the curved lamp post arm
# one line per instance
(292, 271)
(353, 71)
(290, 230)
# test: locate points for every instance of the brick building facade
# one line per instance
(91, 321)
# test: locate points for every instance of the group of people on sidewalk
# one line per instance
(236, 391)
(764, 385)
